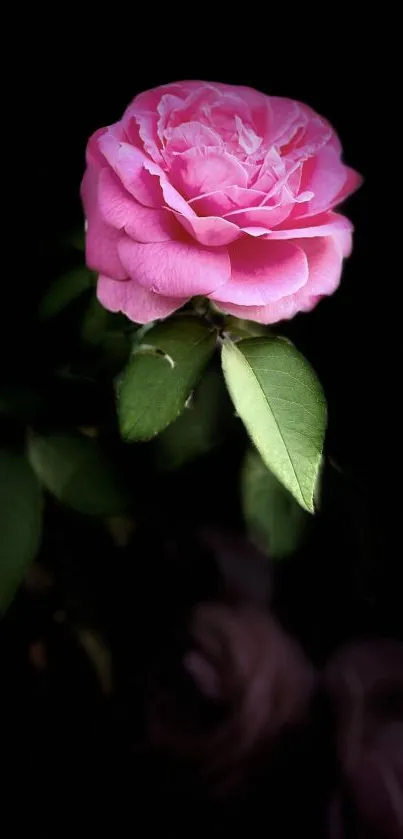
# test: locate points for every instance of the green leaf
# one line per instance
(281, 403)
(157, 382)
(275, 521)
(64, 290)
(198, 429)
(106, 338)
(20, 522)
(77, 472)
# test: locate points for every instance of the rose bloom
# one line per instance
(254, 684)
(364, 682)
(216, 190)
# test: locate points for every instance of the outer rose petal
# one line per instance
(139, 175)
(325, 262)
(119, 209)
(344, 239)
(263, 272)
(133, 300)
(324, 265)
(325, 224)
(177, 269)
(93, 153)
(101, 241)
(353, 181)
(329, 179)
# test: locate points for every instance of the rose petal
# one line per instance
(101, 240)
(324, 266)
(101, 248)
(142, 132)
(188, 135)
(174, 200)
(93, 154)
(344, 239)
(147, 101)
(325, 262)
(286, 118)
(255, 231)
(267, 217)
(249, 141)
(176, 269)
(202, 169)
(283, 309)
(140, 305)
(119, 209)
(144, 110)
(167, 105)
(212, 104)
(211, 231)
(272, 173)
(313, 137)
(139, 175)
(226, 200)
(263, 272)
(329, 179)
(353, 182)
(144, 179)
(324, 224)
(325, 176)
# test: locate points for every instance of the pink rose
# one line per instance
(253, 684)
(210, 189)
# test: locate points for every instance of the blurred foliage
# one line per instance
(124, 425)
(20, 521)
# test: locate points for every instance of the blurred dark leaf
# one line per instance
(199, 427)
(106, 337)
(75, 469)
(76, 239)
(20, 522)
(64, 290)
(24, 401)
(95, 322)
(274, 519)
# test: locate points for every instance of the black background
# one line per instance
(74, 83)
(79, 80)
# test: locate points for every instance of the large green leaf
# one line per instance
(20, 522)
(64, 290)
(158, 380)
(275, 521)
(75, 469)
(281, 403)
(198, 429)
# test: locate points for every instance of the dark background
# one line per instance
(346, 337)
(349, 582)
